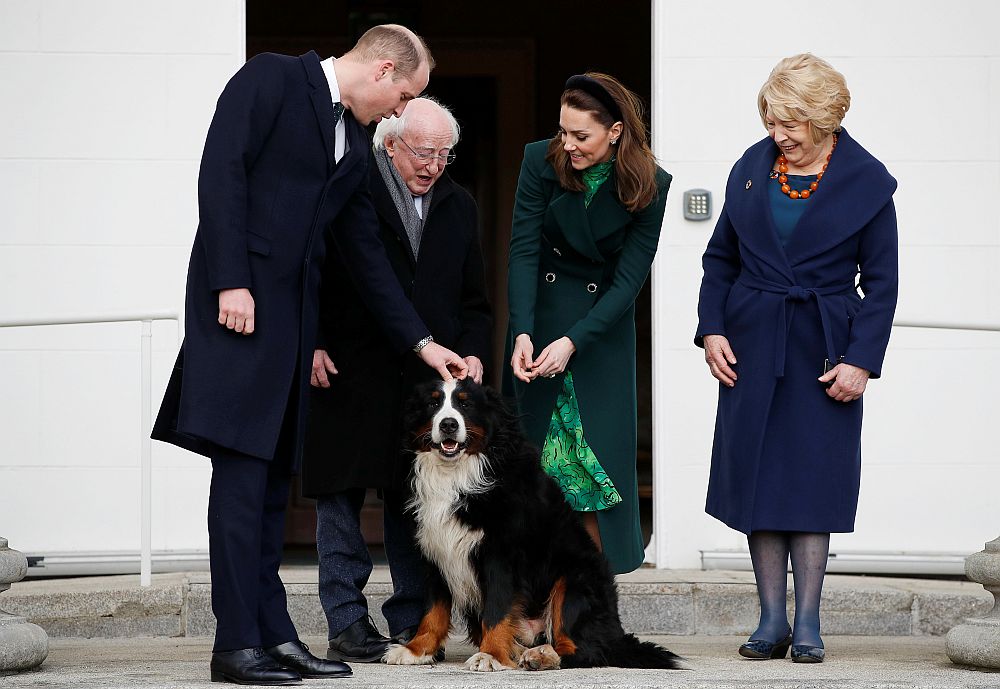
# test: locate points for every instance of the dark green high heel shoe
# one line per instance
(766, 650)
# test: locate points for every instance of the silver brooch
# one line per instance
(749, 183)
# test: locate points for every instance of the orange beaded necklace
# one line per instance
(782, 177)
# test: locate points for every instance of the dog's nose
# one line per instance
(448, 425)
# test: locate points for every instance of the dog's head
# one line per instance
(452, 419)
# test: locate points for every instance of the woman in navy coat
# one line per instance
(808, 223)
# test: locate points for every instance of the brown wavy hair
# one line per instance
(635, 166)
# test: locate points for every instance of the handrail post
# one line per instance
(145, 428)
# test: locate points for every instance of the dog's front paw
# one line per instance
(401, 655)
(484, 662)
(540, 658)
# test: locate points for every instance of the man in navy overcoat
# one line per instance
(285, 167)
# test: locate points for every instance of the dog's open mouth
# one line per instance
(450, 447)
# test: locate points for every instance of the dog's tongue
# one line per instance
(449, 445)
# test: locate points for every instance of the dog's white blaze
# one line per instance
(448, 410)
(440, 487)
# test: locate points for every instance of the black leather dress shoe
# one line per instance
(295, 656)
(251, 666)
(406, 636)
(359, 643)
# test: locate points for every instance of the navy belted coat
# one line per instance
(270, 194)
(786, 456)
(575, 271)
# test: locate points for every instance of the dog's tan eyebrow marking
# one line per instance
(436, 394)
(463, 396)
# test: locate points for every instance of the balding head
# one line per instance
(419, 142)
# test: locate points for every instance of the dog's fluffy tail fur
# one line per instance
(628, 651)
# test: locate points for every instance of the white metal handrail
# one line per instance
(146, 412)
(944, 325)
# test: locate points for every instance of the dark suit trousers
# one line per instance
(246, 525)
(345, 565)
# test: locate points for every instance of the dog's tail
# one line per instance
(628, 651)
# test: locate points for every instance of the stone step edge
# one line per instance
(183, 608)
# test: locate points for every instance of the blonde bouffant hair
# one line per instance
(806, 88)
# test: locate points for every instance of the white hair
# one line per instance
(396, 126)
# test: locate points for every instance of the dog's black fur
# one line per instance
(541, 580)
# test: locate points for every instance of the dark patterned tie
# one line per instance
(338, 112)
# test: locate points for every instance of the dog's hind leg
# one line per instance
(542, 657)
(562, 644)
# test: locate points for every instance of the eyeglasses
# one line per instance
(426, 158)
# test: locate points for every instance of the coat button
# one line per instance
(591, 287)
(550, 277)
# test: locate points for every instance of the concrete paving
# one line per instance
(853, 662)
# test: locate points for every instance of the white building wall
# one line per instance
(925, 81)
(105, 105)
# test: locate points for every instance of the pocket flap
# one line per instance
(258, 245)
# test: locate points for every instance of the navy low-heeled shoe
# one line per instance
(766, 650)
(808, 654)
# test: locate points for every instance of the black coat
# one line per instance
(268, 189)
(354, 435)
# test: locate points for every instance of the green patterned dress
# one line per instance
(566, 456)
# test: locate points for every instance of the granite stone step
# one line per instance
(676, 602)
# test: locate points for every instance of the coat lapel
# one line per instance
(570, 214)
(322, 102)
(606, 213)
(749, 207)
(854, 188)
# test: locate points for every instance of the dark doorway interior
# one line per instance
(501, 68)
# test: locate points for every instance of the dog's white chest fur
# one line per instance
(439, 489)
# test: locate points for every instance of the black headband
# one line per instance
(592, 87)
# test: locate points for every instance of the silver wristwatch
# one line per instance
(423, 343)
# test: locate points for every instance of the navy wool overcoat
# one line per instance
(270, 192)
(786, 456)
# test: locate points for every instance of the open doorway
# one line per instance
(501, 68)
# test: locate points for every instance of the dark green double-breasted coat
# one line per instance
(576, 271)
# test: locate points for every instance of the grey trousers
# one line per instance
(345, 565)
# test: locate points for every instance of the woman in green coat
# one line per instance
(587, 219)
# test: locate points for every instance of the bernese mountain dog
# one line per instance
(504, 550)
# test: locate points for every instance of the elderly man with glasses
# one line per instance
(429, 225)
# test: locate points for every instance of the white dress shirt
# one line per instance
(340, 147)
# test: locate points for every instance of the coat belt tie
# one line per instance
(792, 295)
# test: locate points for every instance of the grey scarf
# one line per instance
(403, 200)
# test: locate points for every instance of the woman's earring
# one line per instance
(614, 142)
